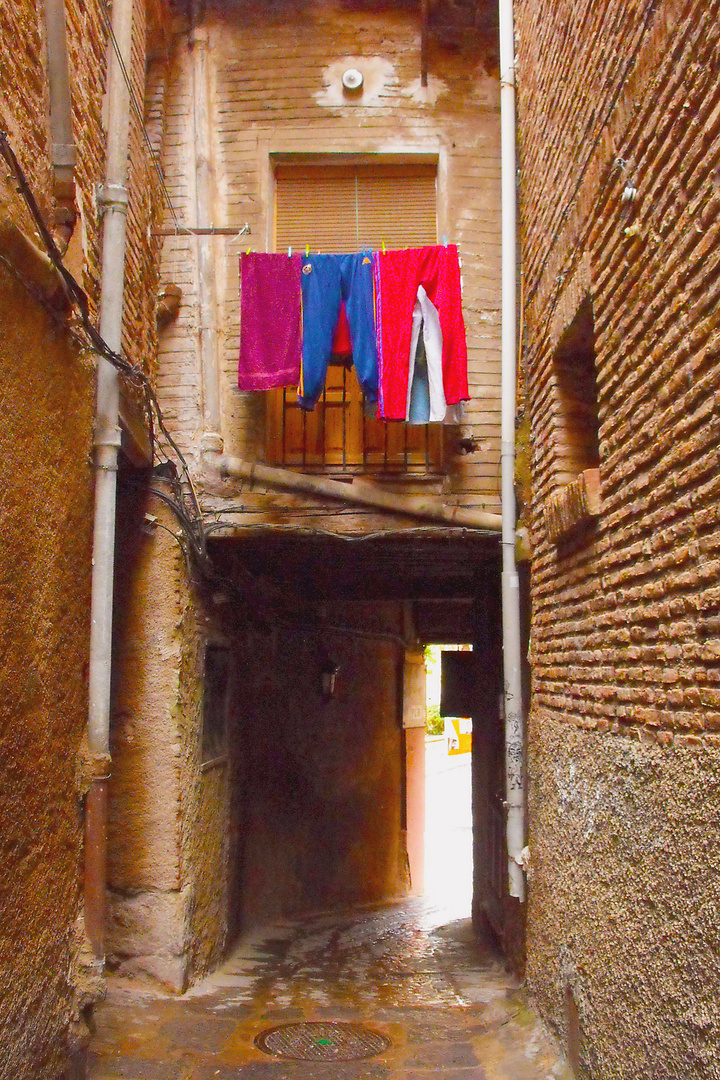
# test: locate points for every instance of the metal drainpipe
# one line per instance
(61, 129)
(114, 200)
(514, 719)
(205, 204)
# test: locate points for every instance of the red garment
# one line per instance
(342, 342)
(398, 274)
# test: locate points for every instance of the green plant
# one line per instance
(434, 722)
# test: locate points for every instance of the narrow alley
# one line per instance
(391, 993)
(359, 539)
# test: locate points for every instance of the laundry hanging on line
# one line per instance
(376, 306)
(270, 321)
(327, 282)
(398, 276)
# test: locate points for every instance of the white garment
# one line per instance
(425, 314)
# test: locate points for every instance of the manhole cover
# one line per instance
(322, 1042)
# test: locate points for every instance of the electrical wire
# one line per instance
(185, 506)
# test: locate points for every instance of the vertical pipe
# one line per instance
(61, 129)
(514, 720)
(107, 444)
(204, 218)
(424, 16)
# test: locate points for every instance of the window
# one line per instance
(577, 445)
(571, 509)
(343, 209)
(216, 687)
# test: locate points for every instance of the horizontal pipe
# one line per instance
(359, 493)
(210, 230)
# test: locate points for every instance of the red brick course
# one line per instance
(651, 270)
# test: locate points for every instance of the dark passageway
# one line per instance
(443, 1002)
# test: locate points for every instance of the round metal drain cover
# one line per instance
(322, 1042)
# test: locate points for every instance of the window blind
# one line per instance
(347, 208)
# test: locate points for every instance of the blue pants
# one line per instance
(326, 280)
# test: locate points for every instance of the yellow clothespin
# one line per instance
(307, 250)
(383, 243)
(248, 251)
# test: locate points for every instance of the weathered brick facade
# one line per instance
(624, 750)
(46, 515)
(246, 82)
(268, 78)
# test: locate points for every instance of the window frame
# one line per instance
(376, 447)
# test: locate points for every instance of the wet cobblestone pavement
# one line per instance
(446, 1004)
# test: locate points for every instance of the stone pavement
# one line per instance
(446, 1004)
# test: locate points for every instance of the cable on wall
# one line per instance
(175, 469)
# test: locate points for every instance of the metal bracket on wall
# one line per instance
(109, 196)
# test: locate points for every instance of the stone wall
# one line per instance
(302, 809)
(269, 80)
(157, 776)
(625, 760)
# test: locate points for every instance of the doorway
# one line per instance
(448, 793)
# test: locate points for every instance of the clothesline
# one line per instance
(404, 315)
(251, 250)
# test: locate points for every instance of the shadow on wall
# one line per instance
(318, 780)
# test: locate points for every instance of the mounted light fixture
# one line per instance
(629, 194)
(352, 80)
(328, 676)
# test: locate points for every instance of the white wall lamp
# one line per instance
(352, 81)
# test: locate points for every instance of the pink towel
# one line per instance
(270, 321)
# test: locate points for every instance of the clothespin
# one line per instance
(444, 240)
(307, 250)
(383, 247)
(289, 253)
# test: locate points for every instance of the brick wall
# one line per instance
(271, 89)
(46, 514)
(626, 686)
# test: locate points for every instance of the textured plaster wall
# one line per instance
(157, 793)
(626, 857)
(46, 404)
(625, 759)
(45, 508)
